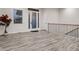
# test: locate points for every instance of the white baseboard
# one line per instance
(25, 31)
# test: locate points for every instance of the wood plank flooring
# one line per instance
(38, 41)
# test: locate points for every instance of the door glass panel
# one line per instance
(38, 20)
(33, 20)
(29, 20)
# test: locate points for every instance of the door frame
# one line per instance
(30, 19)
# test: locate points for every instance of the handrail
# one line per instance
(64, 24)
(71, 31)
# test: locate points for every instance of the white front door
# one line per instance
(33, 20)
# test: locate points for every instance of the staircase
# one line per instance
(64, 29)
(74, 33)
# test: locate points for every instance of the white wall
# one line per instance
(69, 15)
(41, 20)
(50, 15)
(61, 15)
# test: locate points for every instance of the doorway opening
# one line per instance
(33, 19)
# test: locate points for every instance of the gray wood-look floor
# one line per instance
(38, 41)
